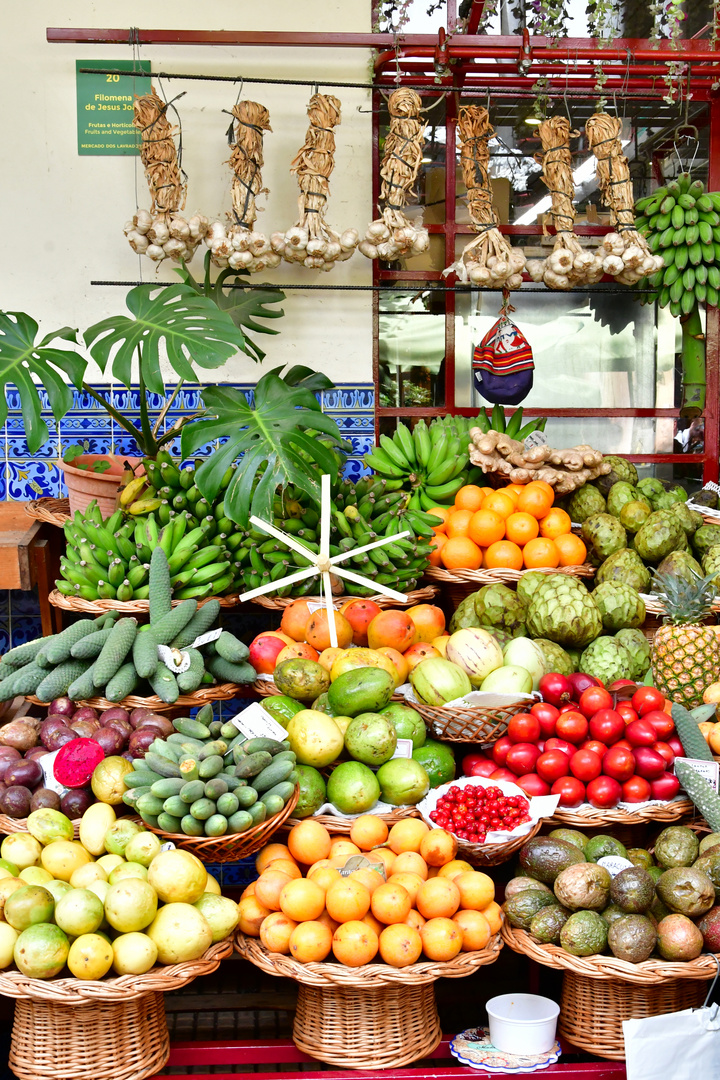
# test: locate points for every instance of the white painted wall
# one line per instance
(64, 213)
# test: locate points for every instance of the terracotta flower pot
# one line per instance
(84, 485)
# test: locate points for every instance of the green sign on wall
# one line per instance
(105, 106)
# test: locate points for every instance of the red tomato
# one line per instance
(594, 699)
(532, 784)
(636, 789)
(594, 745)
(521, 758)
(585, 765)
(555, 688)
(647, 698)
(626, 711)
(569, 707)
(472, 759)
(552, 765)
(604, 792)
(560, 744)
(607, 725)
(572, 725)
(524, 728)
(547, 714)
(500, 751)
(665, 751)
(504, 774)
(570, 790)
(665, 787)
(662, 723)
(676, 746)
(619, 763)
(481, 768)
(640, 733)
(648, 763)
(623, 744)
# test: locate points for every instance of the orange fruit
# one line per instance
(400, 945)
(514, 489)
(324, 876)
(438, 898)
(437, 542)
(438, 847)
(355, 943)
(398, 660)
(555, 523)
(309, 841)
(452, 869)
(571, 550)
(540, 552)
(275, 932)
(521, 527)
(501, 503)
(367, 831)
(387, 857)
(458, 523)
(411, 862)
(347, 900)
(299, 650)
(477, 890)
(493, 914)
(461, 553)
(441, 939)
(486, 526)
(271, 851)
(392, 628)
(286, 866)
(535, 500)
(410, 882)
(415, 919)
(442, 512)
(251, 914)
(390, 903)
(469, 497)
(475, 929)
(249, 891)
(341, 846)
(368, 877)
(504, 555)
(407, 835)
(310, 942)
(542, 485)
(302, 900)
(268, 888)
(317, 631)
(325, 919)
(372, 922)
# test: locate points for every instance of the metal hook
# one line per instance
(242, 82)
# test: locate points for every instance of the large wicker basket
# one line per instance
(494, 854)
(267, 688)
(233, 846)
(416, 596)
(457, 584)
(10, 825)
(472, 724)
(126, 607)
(370, 1017)
(53, 511)
(662, 812)
(108, 1029)
(342, 826)
(221, 692)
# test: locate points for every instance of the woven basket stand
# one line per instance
(423, 595)
(53, 511)
(221, 692)
(126, 607)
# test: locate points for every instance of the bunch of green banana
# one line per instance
(165, 489)
(681, 221)
(513, 428)
(110, 559)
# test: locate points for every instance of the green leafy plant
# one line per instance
(277, 437)
(75, 451)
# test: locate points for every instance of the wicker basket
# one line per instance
(664, 812)
(221, 692)
(53, 511)
(473, 724)
(494, 854)
(457, 584)
(267, 688)
(230, 848)
(10, 825)
(126, 607)
(371, 1017)
(109, 1029)
(342, 826)
(417, 596)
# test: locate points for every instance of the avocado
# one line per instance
(520, 909)
(640, 857)
(676, 846)
(633, 890)
(571, 836)
(545, 927)
(584, 934)
(710, 865)
(599, 846)
(632, 938)
(686, 890)
(583, 886)
(544, 858)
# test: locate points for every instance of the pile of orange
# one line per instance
(511, 528)
(417, 900)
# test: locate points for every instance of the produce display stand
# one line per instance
(369, 1017)
(106, 1029)
(342, 825)
(126, 607)
(599, 992)
(665, 813)
(470, 724)
(221, 692)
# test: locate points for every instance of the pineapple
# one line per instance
(685, 653)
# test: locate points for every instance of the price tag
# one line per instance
(204, 639)
(404, 748)
(175, 660)
(47, 764)
(167, 846)
(535, 438)
(256, 723)
(614, 864)
(358, 862)
(314, 606)
(710, 770)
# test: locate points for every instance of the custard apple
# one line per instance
(562, 609)
(638, 647)
(620, 606)
(625, 566)
(607, 659)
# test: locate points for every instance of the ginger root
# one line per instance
(564, 470)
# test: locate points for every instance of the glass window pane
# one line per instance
(411, 349)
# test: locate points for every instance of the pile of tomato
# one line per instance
(596, 749)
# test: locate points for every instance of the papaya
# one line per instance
(366, 689)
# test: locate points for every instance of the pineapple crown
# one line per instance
(687, 598)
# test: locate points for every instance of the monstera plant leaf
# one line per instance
(188, 328)
(245, 305)
(22, 357)
(278, 440)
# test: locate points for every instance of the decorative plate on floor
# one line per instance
(473, 1048)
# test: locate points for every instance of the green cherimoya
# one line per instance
(464, 615)
(585, 502)
(499, 606)
(681, 564)
(607, 659)
(634, 515)
(650, 488)
(620, 469)
(669, 497)
(556, 659)
(661, 534)
(711, 560)
(562, 610)
(620, 495)
(639, 650)
(691, 520)
(621, 607)
(604, 535)
(705, 538)
(528, 583)
(627, 567)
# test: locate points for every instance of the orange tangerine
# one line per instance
(469, 497)
(367, 831)
(286, 866)
(271, 851)
(387, 857)
(542, 485)
(475, 929)
(310, 942)
(486, 526)
(354, 943)
(514, 489)
(347, 899)
(442, 512)
(324, 876)
(493, 914)
(571, 550)
(477, 890)
(415, 919)
(458, 523)
(540, 552)
(309, 841)
(438, 898)
(251, 914)
(521, 527)
(390, 903)
(410, 882)
(400, 945)
(555, 523)
(535, 500)
(453, 868)
(438, 847)
(268, 888)
(461, 553)
(343, 847)
(503, 555)
(275, 932)
(302, 900)
(407, 835)
(441, 939)
(411, 862)
(500, 502)
(368, 877)
(437, 542)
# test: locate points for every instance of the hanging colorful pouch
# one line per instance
(503, 364)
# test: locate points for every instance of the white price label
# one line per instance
(404, 748)
(359, 862)
(614, 864)
(205, 639)
(314, 606)
(167, 846)
(535, 438)
(175, 660)
(47, 764)
(256, 723)
(710, 770)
